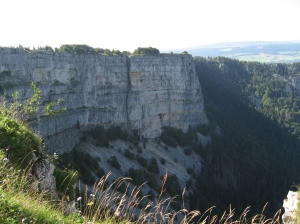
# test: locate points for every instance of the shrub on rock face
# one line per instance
(153, 166)
(98, 133)
(173, 186)
(19, 141)
(128, 154)
(173, 136)
(152, 182)
(190, 170)
(137, 176)
(114, 132)
(204, 129)
(143, 161)
(113, 161)
(188, 151)
(100, 172)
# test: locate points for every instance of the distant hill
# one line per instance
(250, 51)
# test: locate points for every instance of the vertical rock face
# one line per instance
(141, 93)
(164, 91)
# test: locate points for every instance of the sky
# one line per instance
(163, 24)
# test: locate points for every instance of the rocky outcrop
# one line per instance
(141, 93)
(290, 206)
(42, 176)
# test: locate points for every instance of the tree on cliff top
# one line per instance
(85, 49)
(146, 50)
(77, 49)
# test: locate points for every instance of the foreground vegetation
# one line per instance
(22, 200)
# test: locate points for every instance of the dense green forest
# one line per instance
(254, 153)
(85, 49)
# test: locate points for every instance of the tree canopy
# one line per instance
(254, 157)
(146, 50)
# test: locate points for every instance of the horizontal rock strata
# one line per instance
(139, 92)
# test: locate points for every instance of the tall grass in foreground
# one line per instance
(21, 202)
(112, 205)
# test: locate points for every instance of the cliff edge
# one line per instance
(141, 93)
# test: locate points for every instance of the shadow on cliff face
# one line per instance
(263, 156)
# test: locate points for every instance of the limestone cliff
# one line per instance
(141, 93)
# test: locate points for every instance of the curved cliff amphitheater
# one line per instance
(140, 93)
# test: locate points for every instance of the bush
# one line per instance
(139, 149)
(173, 185)
(153, 166)
(77, 49)
(204, 129)
(121, 187)
(14, 135)
(188, 151)
(170, 141)
(198, 148)
(84, 137)
(86, 175)
(129, 154)
(190, 170)
(81, 161)
(114, 132)
(143, 161)
(152, 182)
(65, 179)
(134, 138)
(98, 133)
(125, 135)
(174, 136)
(19, 140)
(162, 161)
(85, 159)
(113, 161)
(146, 50)
(189, 183)
(100, 172)
(137, 176)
